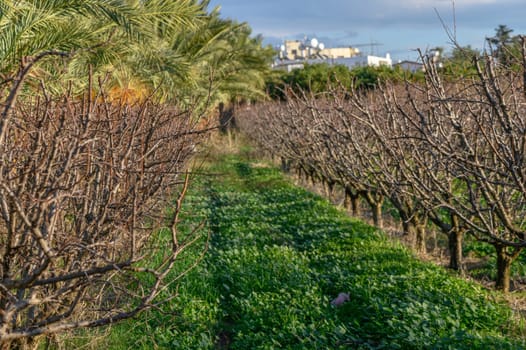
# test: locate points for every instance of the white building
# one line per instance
(305, 49)
(362, 61)
(294, 54)
(289, 65)
(349, 62)
(411, 66)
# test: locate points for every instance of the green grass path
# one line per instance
(278, 254)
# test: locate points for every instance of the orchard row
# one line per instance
(444, 152)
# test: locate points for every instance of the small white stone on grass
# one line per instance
(340, 299)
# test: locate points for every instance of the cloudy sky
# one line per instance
(396, 26)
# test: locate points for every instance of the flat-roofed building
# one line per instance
(294, 54)
(305, 49)
(363, 61)
(411, 66)
(349, 62)
(340, 52)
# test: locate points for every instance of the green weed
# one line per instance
(279, 254)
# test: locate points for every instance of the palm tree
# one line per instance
(84, 32)
(205, 64)
(231, 64)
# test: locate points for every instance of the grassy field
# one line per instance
(278, 255)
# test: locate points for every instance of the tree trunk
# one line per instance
(356, 208)
(409, 230)
(227, 121)
(352, 202)
(421, 238)
(299, 173)
(377, 215)
(455, 250)
(347, 201)
(329, 188)
(375, 201)
(285, 165)
(312, 176)
(503, 269)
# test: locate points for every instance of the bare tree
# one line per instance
(430, 172)
(475, 130)
(84, 184)
(493, 162)
(451, 152)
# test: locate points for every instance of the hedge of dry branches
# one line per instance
(447, 153)
(84, 184)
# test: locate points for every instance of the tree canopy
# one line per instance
(177, 48)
